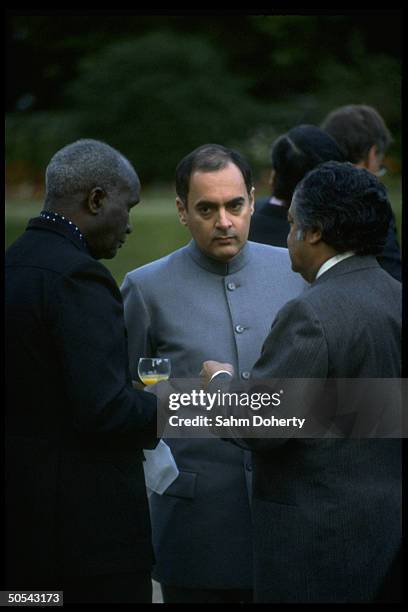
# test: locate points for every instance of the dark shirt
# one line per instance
(269, 223)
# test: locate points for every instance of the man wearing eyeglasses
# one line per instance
(364, 138)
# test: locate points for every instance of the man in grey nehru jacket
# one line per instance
(216, 297)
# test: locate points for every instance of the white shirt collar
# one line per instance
(333, 261)
(275, 202)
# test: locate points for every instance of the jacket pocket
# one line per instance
(183, 486)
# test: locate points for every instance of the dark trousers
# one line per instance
(173, 594)
(392, 588)
(109, 588)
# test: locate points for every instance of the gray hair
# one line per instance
(83, 165)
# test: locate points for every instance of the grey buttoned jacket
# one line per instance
(191, 308)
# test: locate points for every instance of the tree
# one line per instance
(159, 96)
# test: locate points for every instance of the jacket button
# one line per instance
(245, 375)
(248, 466)
(239, 329)
(231, 286)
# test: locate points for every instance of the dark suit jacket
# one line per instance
(75, 492)
(269, 225)
(390, 258)
(327, 513)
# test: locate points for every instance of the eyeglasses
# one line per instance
(381, 171)
(381, 167)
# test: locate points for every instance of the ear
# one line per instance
(370, 162)
(182, 212)
(252, 200)
(373, 162)
(314, 236)
(95, 200)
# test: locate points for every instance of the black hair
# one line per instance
(298, 151)
(209, 158)
(348, 204)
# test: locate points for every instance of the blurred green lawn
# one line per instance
(156, 228)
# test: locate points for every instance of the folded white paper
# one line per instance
(160, 468)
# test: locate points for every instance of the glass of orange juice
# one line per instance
(152, 370)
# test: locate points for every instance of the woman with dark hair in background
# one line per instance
(353, 131)
(293, 155)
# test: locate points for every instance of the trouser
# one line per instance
(135, 587)
(391, 590)
(173, 594)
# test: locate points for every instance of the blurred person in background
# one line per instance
(293, 154)
(353, 133)
(364, 138)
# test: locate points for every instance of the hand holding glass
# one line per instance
(153, 370)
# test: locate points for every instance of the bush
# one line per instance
(159, 96)
(33, 138)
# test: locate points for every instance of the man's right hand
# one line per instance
(211, 367)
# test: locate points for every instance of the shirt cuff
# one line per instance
(220, 372)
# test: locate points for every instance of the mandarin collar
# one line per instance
(218, 267)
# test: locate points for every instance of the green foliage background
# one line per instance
(157, 86)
